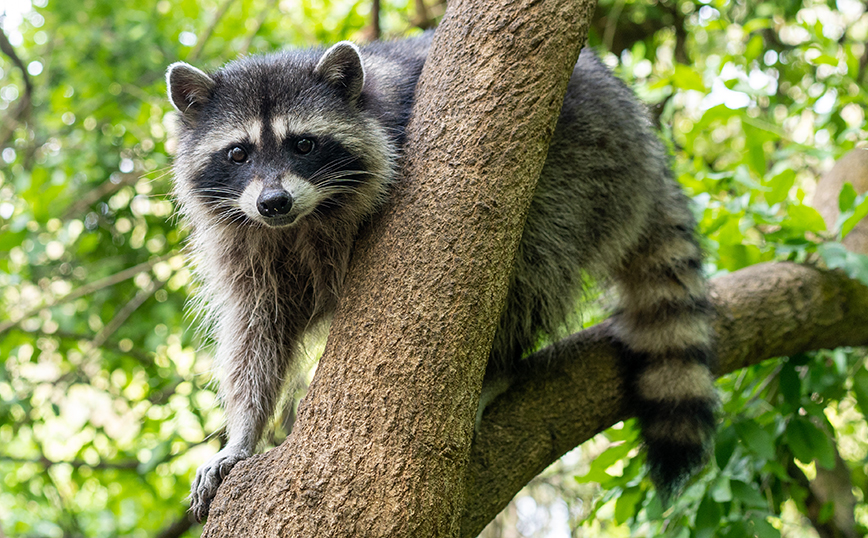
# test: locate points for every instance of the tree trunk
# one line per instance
(852, 168)
(382, 440)
(382, 444)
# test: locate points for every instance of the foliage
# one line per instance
(105, 407)
(105, 402)
(771, 95)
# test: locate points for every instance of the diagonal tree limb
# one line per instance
(206, 33)
(260, 20)
(22, 111)
(87, 289)
(571, 390)
(178, 527)
(124, 313)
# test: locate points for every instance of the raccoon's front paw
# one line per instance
(208, 479)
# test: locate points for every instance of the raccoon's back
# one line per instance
(392, 70)
(604, 177)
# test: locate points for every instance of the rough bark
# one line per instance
(571, 390)
(836, 485)
(382, 440)
(382, 444)
(851, 168)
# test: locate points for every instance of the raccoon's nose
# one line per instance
(274, 202)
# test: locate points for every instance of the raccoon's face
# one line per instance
(276, 139)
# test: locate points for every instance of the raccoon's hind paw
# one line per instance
(491, 389)
(209, 477)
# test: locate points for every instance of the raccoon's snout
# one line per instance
(274, 203)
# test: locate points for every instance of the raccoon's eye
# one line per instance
(304, 146)
(237, 155)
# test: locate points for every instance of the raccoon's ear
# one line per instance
(341, 66)
(189, 88)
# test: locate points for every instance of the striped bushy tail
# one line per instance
(664, 329)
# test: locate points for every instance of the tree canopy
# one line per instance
(105, 404)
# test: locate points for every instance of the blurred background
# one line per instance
(105, 404)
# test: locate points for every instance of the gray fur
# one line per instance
(605, 206)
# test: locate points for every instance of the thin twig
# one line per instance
(140, 356)
(87, 289)
(260, 20)
(94, 195)
(206, 34)
(612, 24)
(45, 462)
(423, 19)
(375, 31)
(124, 313)
(22, 111)
(178, 528)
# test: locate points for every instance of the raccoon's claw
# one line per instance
(209, 477)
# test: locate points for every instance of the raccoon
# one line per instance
(282, 158)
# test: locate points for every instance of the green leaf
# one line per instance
(727, 440)
(808, 442)
(805, 218)
(790, 384)
(628, 504)
(11, 239)
(721, 490)
(729, 233)
(846, 197)
(780, 187)
(708, 514)
(799, 440)
(757, 24)
(736, 529)
(756, 439)
(597, 471)
(754, 48)
(687, 78)
(613, 454)
(825, 59)
(755, 156)
(735, 257)
(837, 256)
(858, 213)
(860, 389)
(747, 494)
(762, 528)
(827, 511)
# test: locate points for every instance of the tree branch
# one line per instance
(178, 528)
(260, 20)
(124, 313)
(572, 390)
(107, 187)
(206, 33)
(373, 31)
(87, 289)
(422, 19)
(125, 465)
(22, 111)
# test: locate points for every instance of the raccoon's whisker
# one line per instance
(328, 193)
(233, 193)
(218, 200)
(338, 162)
(348, 176)
(331, 165)
(331, 168)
